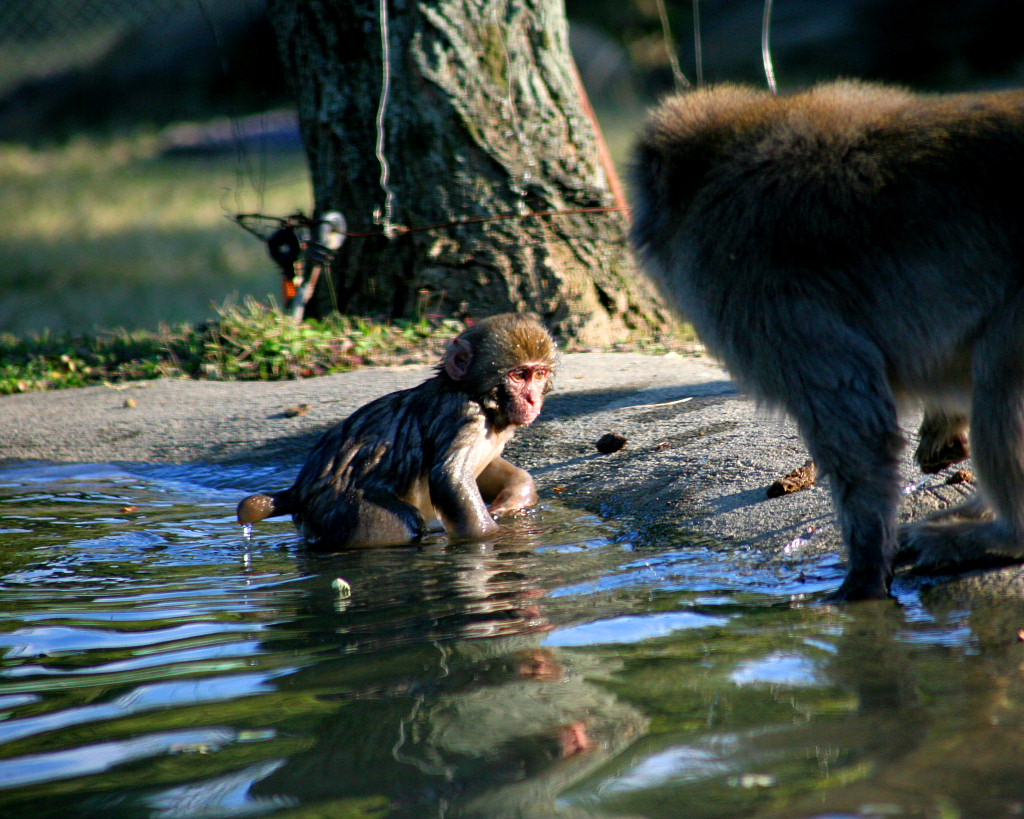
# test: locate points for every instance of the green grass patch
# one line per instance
(120, 233)
(247, 342)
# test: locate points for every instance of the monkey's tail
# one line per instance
(259, 506)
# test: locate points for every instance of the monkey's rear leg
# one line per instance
(997, 444)
(372, 517)
(257, 507)
(974, 508)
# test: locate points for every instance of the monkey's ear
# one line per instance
(458, 359)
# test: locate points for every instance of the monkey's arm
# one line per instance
(453, 487)
(506, 487)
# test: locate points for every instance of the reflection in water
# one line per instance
(433, 717)
(155, 664)
(441, 720)
(941, 722)
(409, 680)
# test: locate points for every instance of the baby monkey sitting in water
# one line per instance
(432, 452)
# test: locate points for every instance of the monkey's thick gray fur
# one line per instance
(844, 250)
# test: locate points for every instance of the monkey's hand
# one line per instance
(869, 586)
(507, 488)
(514, 500)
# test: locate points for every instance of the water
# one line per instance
(155, 663)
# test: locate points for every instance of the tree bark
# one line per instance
(478, 112)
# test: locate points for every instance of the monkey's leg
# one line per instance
(911, 536)
(997, 443)
(506, 488)
(974, 508)
(374, 517)
(943, 440)
(846, 412)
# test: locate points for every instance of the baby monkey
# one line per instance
(432, 452)
(841, 250)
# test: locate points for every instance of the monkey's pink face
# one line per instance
(527, 386)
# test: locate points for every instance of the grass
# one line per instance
(251, 341)
(117, 233)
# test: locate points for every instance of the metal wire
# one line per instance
(387, 212)
(670, 48)
(766, 52)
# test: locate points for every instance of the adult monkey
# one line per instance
(429, 452)
(843, 249)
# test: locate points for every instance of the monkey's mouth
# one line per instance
(523, 414)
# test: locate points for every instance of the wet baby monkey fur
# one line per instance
(429, 453)
(843, 250)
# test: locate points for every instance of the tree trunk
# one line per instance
(478, 112)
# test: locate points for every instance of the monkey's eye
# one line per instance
(524, 374)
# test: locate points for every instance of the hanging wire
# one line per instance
(766, 52)
(385, 87)
(528, 162)
(698, 48)
(245, 170)
(670, 47)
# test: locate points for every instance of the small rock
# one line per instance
(611, 442)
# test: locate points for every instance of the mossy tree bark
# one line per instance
(482, 116)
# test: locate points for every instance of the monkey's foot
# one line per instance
(944, 441)
(944, 548)
(934, 456)
(912, 535)
(514, 499)
(255, 508)
(864, 585)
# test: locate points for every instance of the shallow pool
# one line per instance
(154, 663)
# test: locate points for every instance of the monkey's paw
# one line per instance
(935, 455)
(868, 583)
(935, 548)
(512, 500)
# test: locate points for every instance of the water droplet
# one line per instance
(800, 542)
(911, 488)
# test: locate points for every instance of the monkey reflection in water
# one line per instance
(842, 250)
(428, 453)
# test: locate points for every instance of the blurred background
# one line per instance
(131, 133)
